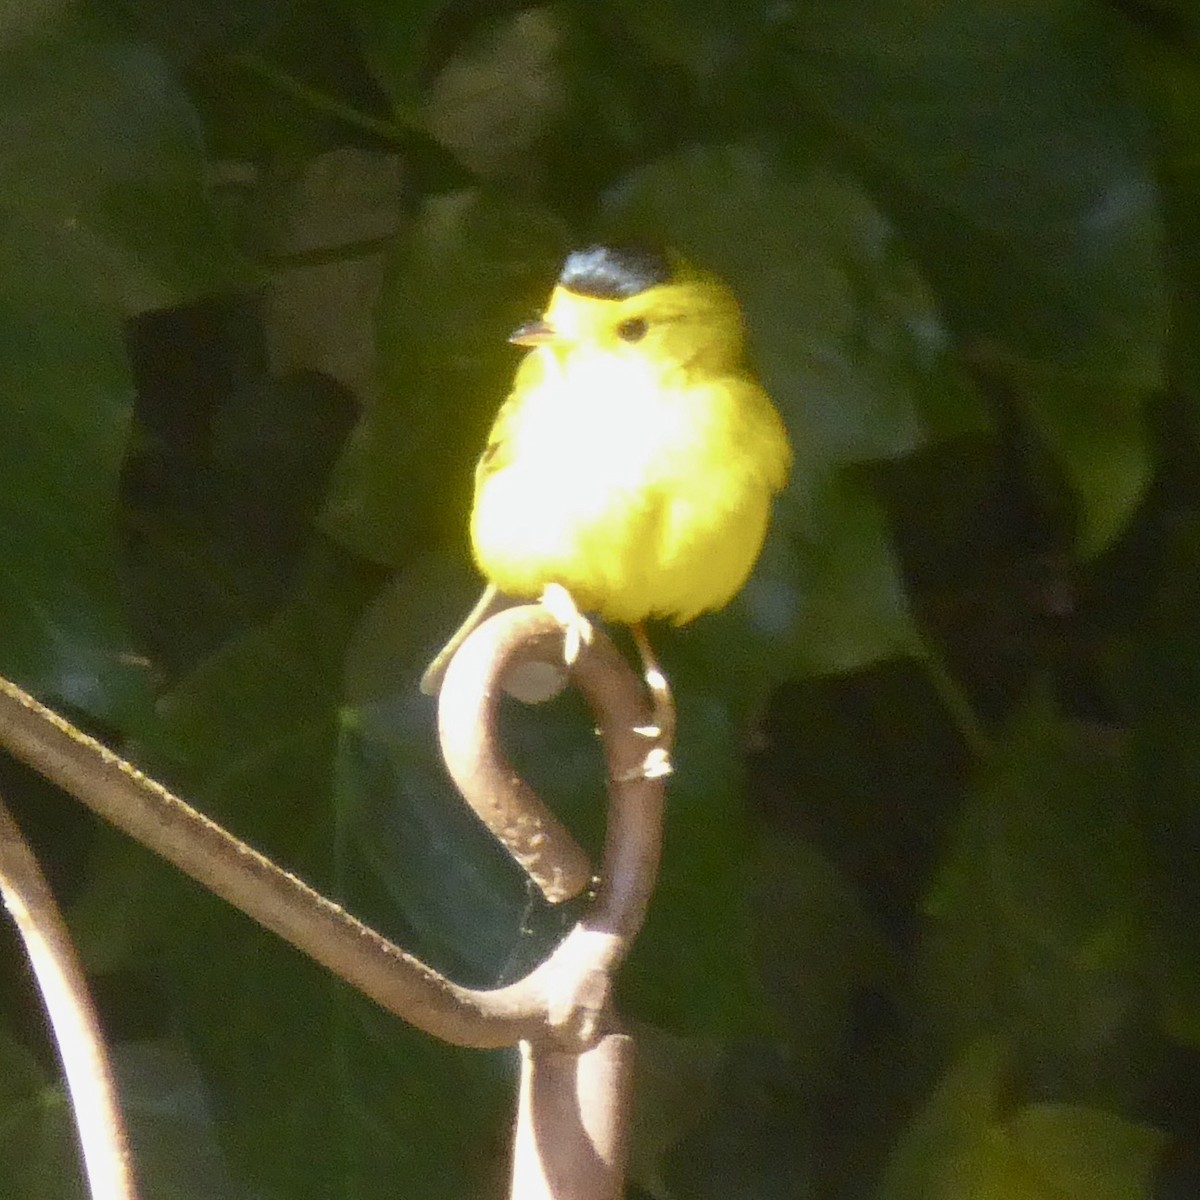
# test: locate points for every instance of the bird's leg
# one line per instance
(577, 629)
(577, 633)
(658, 761)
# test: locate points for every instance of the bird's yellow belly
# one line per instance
(624, 548)
(643, 493)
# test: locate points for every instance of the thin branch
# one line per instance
(573, 1122)
(141, 807)
(571, 1131)
(535, 838)
(570, 1140)
(564, 998)
(72, 1016)
(575, 981)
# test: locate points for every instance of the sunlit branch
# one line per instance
(564, 997)
(72, 1016)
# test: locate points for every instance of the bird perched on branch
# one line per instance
(632, 467)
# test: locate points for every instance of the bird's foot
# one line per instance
(577, 629)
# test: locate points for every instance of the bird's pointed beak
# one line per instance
(536, 333)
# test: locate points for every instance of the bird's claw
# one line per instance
(577, 629)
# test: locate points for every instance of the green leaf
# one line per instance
(1156, 676)
(503, 92)
(1170, 80)
(395, 41)
(103, 209)
(963, 1145)
(472, 269)
(816, 946)
(254, 737)
(1085, 1153)
(1030, 201)
(850, 345)
(217, 523)
(1021, 94)
(163, 1103)
(172, 1132)
(855, 607)
(954, 1120)
(845, 333)
(63, 428)
(674, 1086)
(420, 859)
(757, 1142)
(1040, 905)
(692, 969)
(826, 596)
(1096, 431)
(413, 858)
(416, 1116)
(246, 732)
(39, 1156)
(103, 157)
(706, 38)
(249, 737)
(415, 861)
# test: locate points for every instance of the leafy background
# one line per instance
(927, 920)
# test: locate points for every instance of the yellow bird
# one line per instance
(634, 462)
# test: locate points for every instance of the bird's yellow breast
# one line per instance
(642, 488)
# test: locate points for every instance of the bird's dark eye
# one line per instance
(632, 330)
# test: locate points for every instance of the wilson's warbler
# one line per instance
(636, 457)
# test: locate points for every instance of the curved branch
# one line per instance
(117, 791)
(575, 980)
(468, 705)
(564, 998)
(72, 1016)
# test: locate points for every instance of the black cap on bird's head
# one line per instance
(614, 272)
(693, 317)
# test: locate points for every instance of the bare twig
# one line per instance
(72, 1016)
